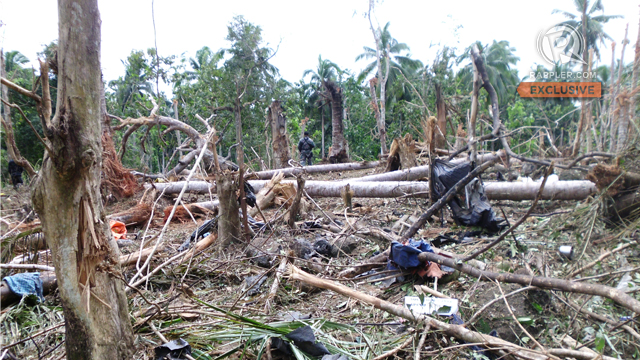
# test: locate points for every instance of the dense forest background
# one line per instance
(208, 83)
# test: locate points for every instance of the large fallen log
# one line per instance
(268, 174)
(420, 172)
(557, 190)
(517, 191)
(458, 331)
(388, 189)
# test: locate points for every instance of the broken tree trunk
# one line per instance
(441, 114)
(229, 221)
(295, 206)
(266, 195)
(67, 198)
(402, 154)
(268, 174)
(279, 134)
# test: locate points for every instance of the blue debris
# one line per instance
(406, 256)
(25, 284)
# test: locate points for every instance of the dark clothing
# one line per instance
(15, 171)
(305, 145)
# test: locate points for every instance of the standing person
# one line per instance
(15, 171)
(305, 145)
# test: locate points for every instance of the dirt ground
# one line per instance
(219, 278)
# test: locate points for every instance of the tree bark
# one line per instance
(66, 197)
(281, 153)
(338, 152)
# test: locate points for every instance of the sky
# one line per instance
(302, 30)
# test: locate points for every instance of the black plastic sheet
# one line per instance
(475, 210)
(173, 350)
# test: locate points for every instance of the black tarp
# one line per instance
(475, 209)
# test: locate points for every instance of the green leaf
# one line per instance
(537, 306)
(600, 342)
(525, 320)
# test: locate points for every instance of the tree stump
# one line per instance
(229, 221)
(402, 154)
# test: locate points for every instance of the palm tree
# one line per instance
(325, 72)
(14, 60)
(386, 54)
(390, 49)
(593, 32)
(498, 59)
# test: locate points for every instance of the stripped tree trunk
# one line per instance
(67, 197)
(338, 152)
(278, 122)
(441, 115)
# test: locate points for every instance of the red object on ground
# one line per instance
(118, 229)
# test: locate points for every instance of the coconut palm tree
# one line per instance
(593, 32)
(390, 49)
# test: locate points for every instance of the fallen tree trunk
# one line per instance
(614, 294)
(49, 284)
(517, 191)
(557, 190)
(136, 215)
(268, 174)
(198, 187)
(420, 172)
(503, 347)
